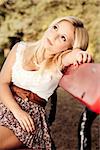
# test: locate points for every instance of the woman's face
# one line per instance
(59, 37)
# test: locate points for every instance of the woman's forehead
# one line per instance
(65, 24)
(59, 20)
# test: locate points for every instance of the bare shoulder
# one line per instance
(12, 54)
(5, 74)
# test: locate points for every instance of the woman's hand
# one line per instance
(81, 57)
(76, 57)
(25, 120)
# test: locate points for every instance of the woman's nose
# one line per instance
(54, 37)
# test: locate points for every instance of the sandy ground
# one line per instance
(64, 129)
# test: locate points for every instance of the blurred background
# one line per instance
(27, 20)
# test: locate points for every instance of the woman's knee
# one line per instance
(7, 139)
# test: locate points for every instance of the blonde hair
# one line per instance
(34, 53)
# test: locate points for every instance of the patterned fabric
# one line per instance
(40, 138)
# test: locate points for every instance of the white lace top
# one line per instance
(41, 84)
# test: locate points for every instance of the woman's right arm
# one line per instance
(6, 96)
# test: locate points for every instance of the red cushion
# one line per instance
(83, 83)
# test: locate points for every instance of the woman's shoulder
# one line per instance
(17, 49)
(20, 47)
(21, 44)
(25, 44)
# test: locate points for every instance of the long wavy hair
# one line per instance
(35, 52)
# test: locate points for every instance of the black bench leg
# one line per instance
(84, 129)
(52, 114)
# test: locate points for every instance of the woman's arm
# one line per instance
(76, 57)
(6, 96)
(5, 78)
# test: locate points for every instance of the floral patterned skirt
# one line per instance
(39, 139)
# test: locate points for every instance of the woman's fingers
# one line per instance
(26, 125)
(79, 58)
(27, 128)
(86, 57)
(22, 125)
(76, 63)
(30, 124)
(25, 121)
(83, 57)
(89, 58)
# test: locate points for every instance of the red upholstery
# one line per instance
(83, 83)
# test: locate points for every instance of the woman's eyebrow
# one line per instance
(66, 35)
(56, 24)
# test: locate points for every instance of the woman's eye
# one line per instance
(63, 38)
(55, 27)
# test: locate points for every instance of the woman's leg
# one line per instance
(7, 139)
(84, 129)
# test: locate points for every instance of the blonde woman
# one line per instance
(30, 75)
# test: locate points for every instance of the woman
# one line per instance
(35, 69)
